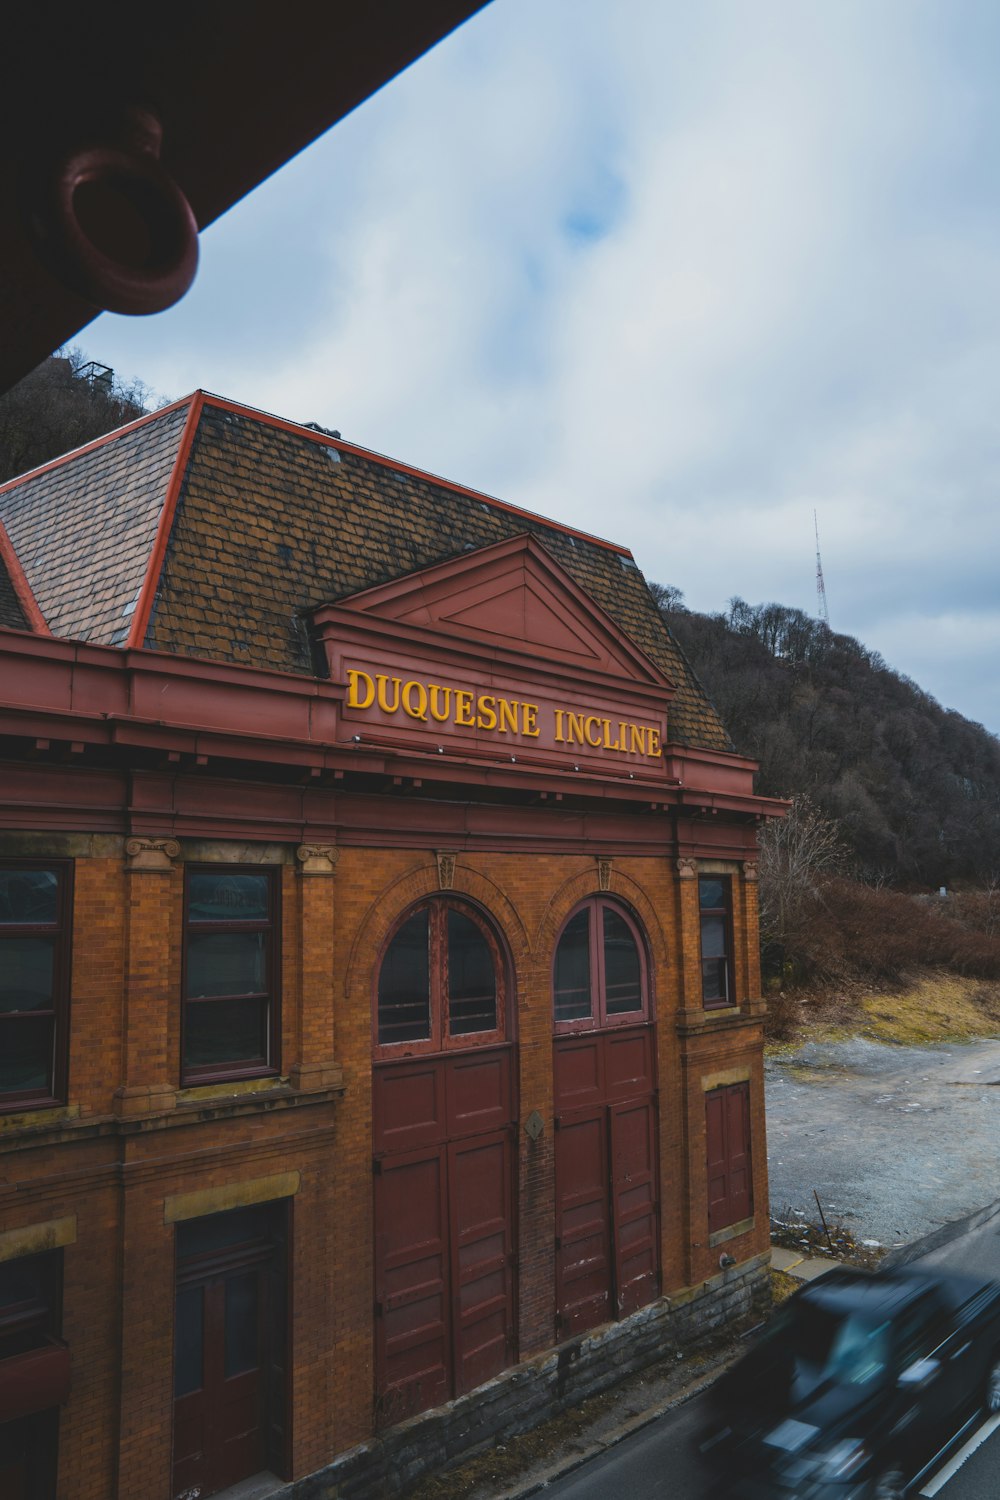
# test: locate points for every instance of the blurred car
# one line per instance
(857, 1386)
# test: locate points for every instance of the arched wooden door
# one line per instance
(607, 1197)
(444, 1161)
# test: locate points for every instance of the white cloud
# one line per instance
(678, 274)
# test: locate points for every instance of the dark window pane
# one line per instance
(713, 937)
(239, 1226)
(227, 963)
(714, 979)
(26, 1054)
(622, 970)
(241, 1323)
(225, 1031)
(24, 1280)
(472, 985)
(26, 967)
(188, 1339)
(220, 896)
(573, 998)
(404, 1005)
(29, 895)
(712, 891)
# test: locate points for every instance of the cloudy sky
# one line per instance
(676, 274)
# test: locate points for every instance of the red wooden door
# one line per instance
(583, 1236)
(607, 1201)
(634, 1203)
(412, 1330)
(727, 1131)
(479, 1184)
(219, 1431)
(444, 1228)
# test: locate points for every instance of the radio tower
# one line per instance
(821, 609)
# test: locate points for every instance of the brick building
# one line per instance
(379, 1000)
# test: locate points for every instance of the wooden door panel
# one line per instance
(409, 1105)
(579, 1072)
(717, 1160)
(583, 1228)
(727, 1131)
(411, 1290)
(480, 1191)
(738, 1141)
(218, 1428)
(479, 1092)
(629, 1063)
(634, 1202)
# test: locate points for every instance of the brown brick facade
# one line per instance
(140, 768)
(113, 1164)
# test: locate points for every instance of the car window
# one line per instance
(848, 1350)
(918, 1332)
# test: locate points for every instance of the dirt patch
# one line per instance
(833, 1242)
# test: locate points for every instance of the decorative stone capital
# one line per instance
(604, 873)
(151, 854)
(687, 868)
(750, 870)
(318, 859)
(446, 869)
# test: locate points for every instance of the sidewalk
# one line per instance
(802, 1267)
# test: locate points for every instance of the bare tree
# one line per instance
(796, 852)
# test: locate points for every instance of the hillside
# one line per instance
(893, 797)
(62, 404)
(913, 787)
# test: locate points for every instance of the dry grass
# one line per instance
(936, 1008)
(932, 1007)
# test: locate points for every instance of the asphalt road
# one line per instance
(662, 1462)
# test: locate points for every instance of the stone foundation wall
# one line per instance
(536, 1390)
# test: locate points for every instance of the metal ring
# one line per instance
(118, 230)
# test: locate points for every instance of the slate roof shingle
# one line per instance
(83, 526)
(272, 521)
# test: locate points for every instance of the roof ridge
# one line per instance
(98, 442)
(224, 403)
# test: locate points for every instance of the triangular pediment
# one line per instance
(512, 596)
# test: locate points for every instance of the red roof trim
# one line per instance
(400, 468)
(21, 586)
(144, 607)
(109, 437)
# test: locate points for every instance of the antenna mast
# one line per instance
(821, 609)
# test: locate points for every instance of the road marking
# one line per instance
(953, 1465)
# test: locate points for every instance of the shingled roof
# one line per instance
(18, 609)
(212, 530)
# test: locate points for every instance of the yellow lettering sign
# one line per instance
(465, 708)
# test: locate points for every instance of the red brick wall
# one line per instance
(115, 1166)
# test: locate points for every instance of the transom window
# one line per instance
(716, 911)
(600, 969)
(231, 973)
(34, 981)
(441, 981)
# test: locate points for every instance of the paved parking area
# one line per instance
(896, 1140)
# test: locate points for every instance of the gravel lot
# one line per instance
(896, 1140)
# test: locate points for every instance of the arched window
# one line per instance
(600, 970)
(441, 982)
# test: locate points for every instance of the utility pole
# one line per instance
(821, 609)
